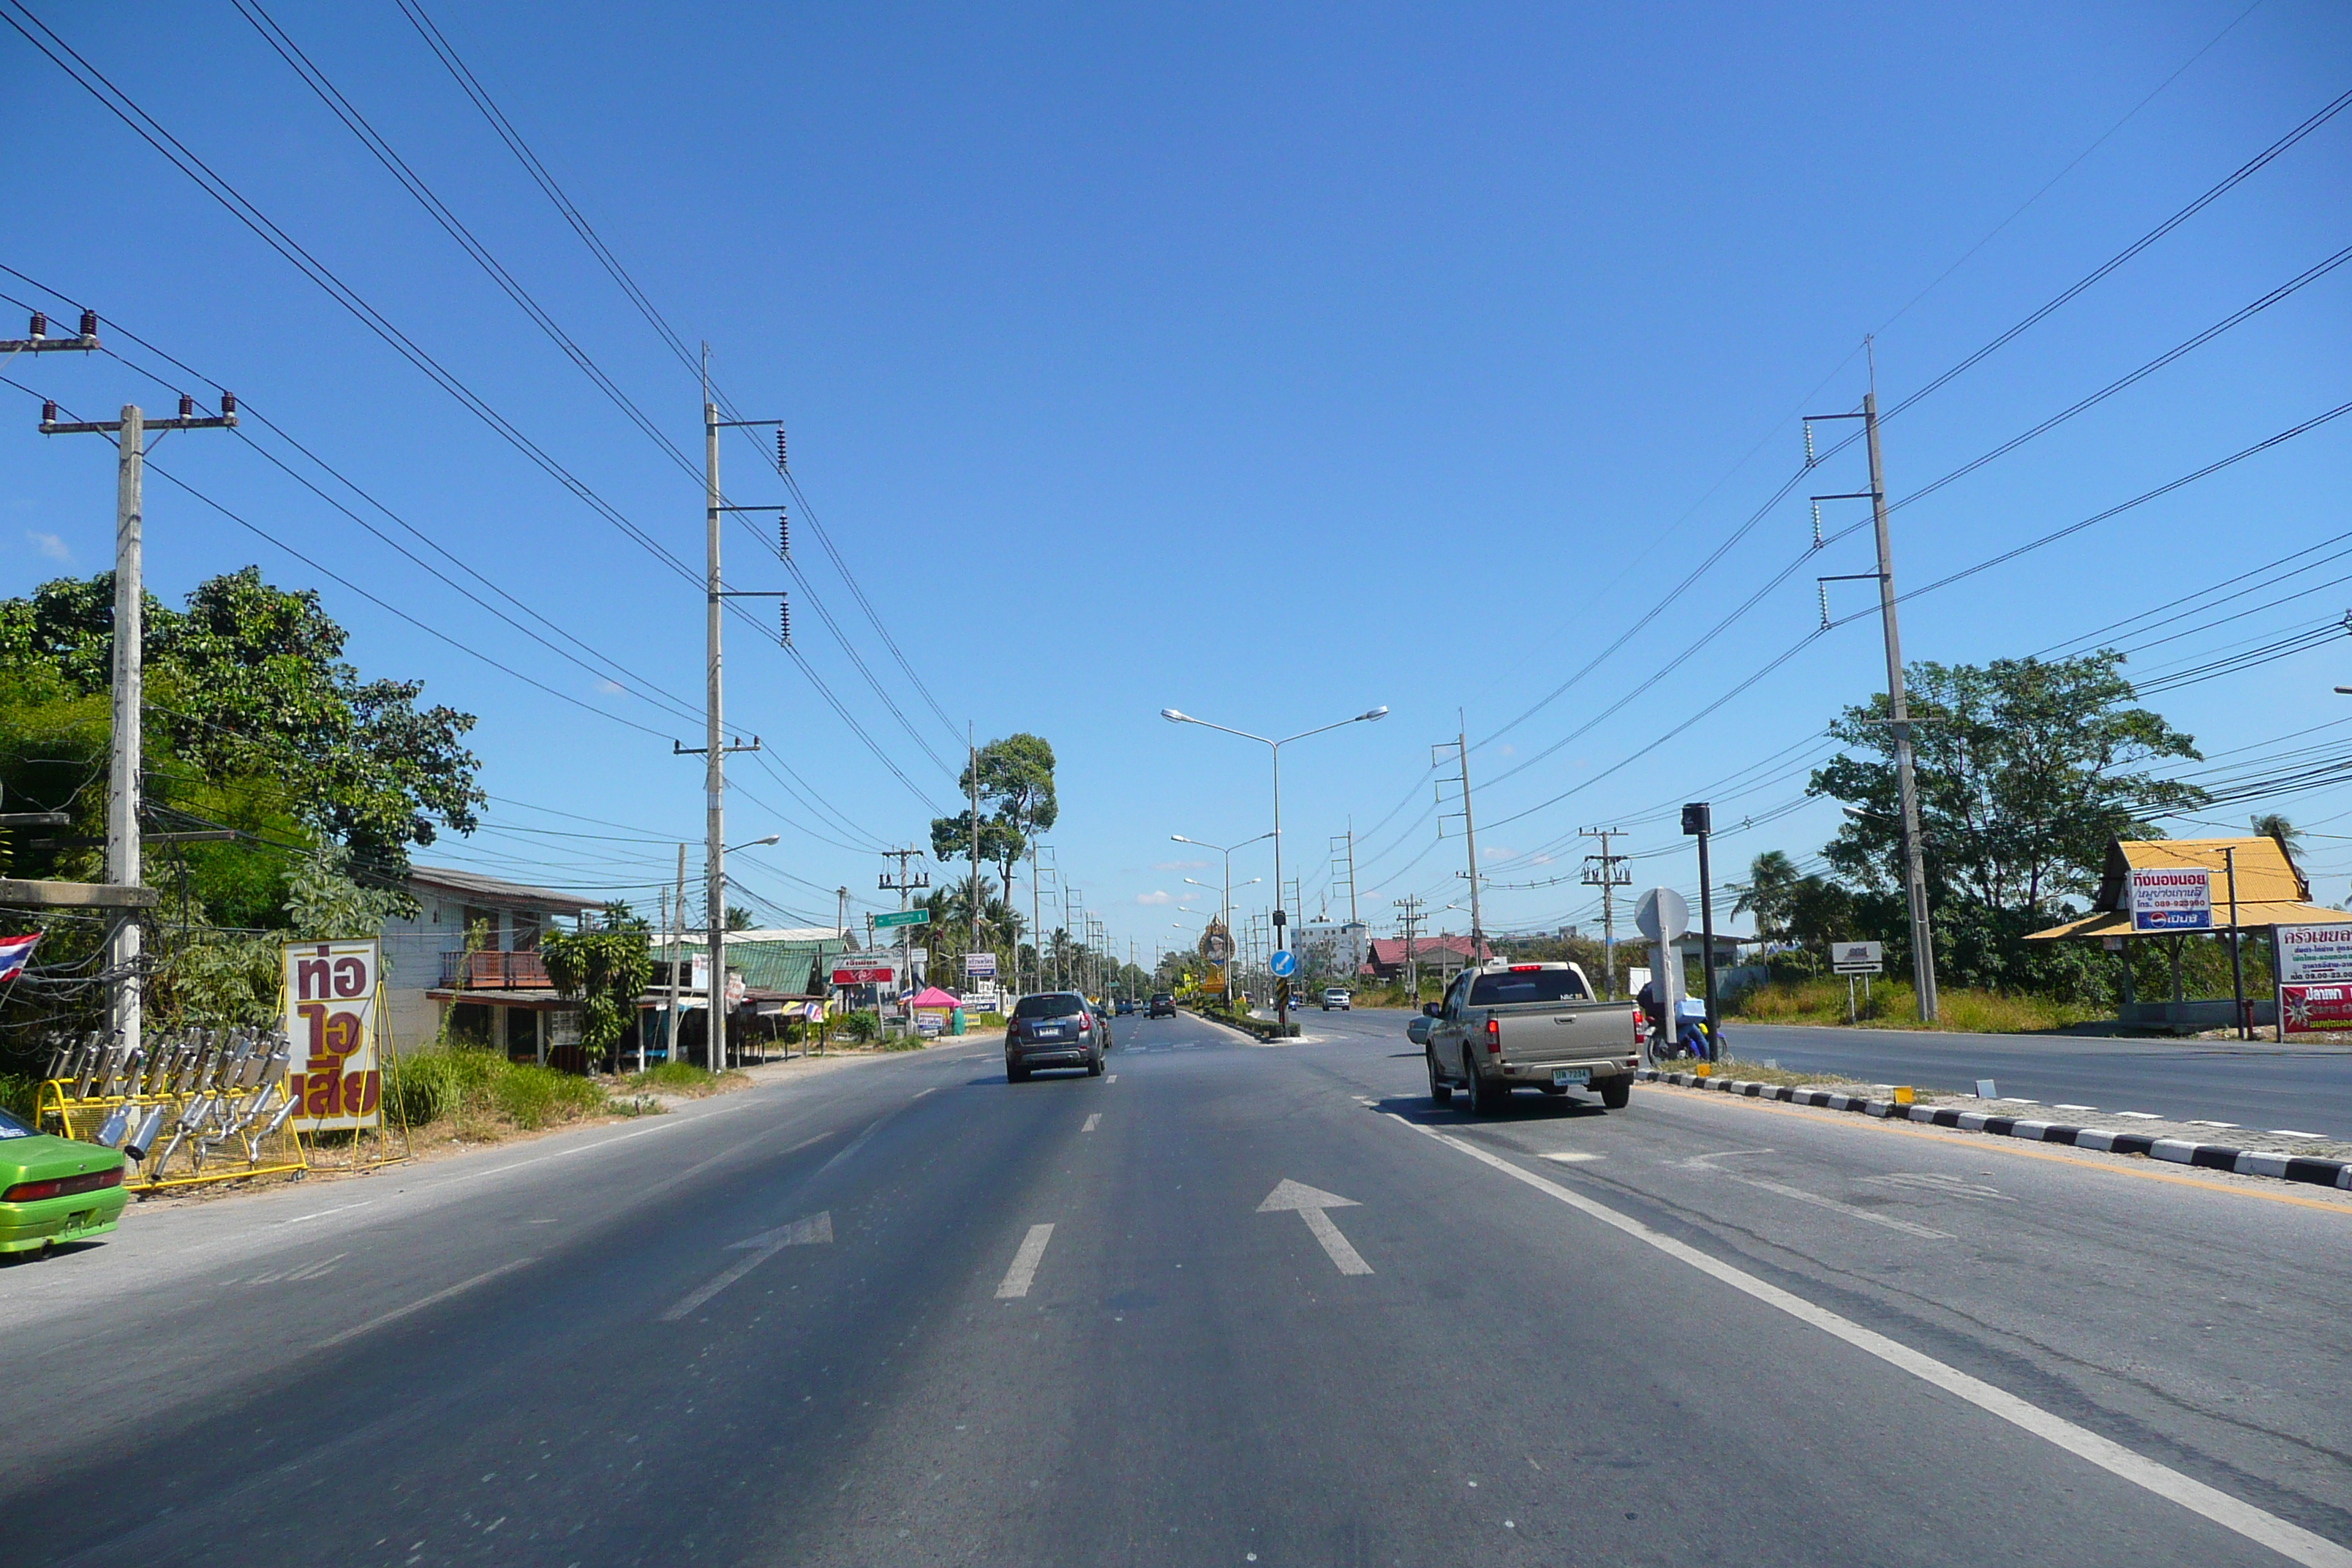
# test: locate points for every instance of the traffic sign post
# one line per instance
(1664, 916)
(1853, 958)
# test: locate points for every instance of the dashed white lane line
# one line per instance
(1112, 1079)
(920, 1092)
(434, 1299)
(2289, 1540)
(1571, 1157)
(1023, 1272)
(1091, 1122)
(321, 1214)
(855, 1146)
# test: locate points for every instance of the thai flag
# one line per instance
(14, 952)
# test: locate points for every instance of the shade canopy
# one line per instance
(932, 996)
(2270, 891)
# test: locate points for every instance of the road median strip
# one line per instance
(2278, 1165)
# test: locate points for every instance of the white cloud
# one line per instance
(1506, 750)
(49, 545)
(1178, 865)
(1496, 853)
(1154, 898)
(1541, 860)
(612, 686)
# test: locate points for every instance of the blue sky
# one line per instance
(1266, 362)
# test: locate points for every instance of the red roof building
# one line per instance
(1384, 957)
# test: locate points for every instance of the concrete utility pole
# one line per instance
(1410, 921)
(1469, 831)
(714, 749)
(972, 752)
(1899, 715)
(902, 885)
(678, 914)
(122, 792)
(1607, 877)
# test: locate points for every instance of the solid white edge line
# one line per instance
(434, 1300)
(2289, 1540)
(1023, 1272)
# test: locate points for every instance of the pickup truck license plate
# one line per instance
(1562, 1076)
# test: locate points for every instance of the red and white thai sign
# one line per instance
(331, 996)
(864, 976)
(2306, 1009)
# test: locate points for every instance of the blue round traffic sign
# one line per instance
(1284, 963)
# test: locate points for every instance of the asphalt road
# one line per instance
(2256, 1085)
(1697, 1331)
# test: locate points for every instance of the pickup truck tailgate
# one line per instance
(1537, 1034)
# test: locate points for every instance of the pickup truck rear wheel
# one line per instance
(1617, 1093)
(1487, 1096)
(1441, 1087)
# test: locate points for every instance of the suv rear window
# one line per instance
(1527, 985)
(1050, 1006)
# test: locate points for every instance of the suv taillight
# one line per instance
(1493, 1037)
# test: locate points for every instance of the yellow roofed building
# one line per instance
(2253, 885)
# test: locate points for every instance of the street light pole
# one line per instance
(1282, 991)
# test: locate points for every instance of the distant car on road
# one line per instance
(1162, 1006)
(1125, 1007)
(55, 1189)
(1053, 1029)
(1337, 997)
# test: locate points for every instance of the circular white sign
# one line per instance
(1662, 915)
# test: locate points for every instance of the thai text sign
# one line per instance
(2313, 952)
(875, 975)
(2303, 1008)
(2171, 897)
(977, 964)
(1857, 957)
(331, 1017)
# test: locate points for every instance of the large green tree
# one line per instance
(1015, 780)
(2025, 769)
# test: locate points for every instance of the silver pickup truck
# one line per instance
(1527, 1025)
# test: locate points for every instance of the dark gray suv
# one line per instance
(1053, 1029)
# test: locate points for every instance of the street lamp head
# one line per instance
(771, 838)
(1380, 712)
(1173, 716)
(1178, 838)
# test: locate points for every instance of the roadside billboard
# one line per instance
(2171, 897)
(2303, 1009)
(332, 1019)
(2313, 952)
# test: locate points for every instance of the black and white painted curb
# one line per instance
(2178, 1150)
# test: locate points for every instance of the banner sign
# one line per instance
(331, 1017)
(2306, 1008)
(2315, 953)
(979, 964)
(1857, 957)
(2171, 897)
(876, 974)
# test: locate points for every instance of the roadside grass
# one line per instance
(1757, 1072)
(1892, 1005)
(679, 1077)
(484, 1096)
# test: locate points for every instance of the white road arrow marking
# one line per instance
(1023, 1272)
(1310, 1202)
(1091, 1122)
(817, 1227)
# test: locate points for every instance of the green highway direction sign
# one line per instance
(902, 918)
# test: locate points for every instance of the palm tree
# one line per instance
(2272, 826)
(1768, 894)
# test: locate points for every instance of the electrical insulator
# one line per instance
(228, 405)
(89, 323)
(783, 533)
(1809, 459)
(41, 326)
(784, 619)
(1817, 525)
(1823, 589)
(187, 406)
(48, 411)
(780, 449)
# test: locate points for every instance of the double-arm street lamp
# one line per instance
(1282, 999)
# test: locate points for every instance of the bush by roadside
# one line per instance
(483, 1094)
(679, 1078)
(1893, 1005)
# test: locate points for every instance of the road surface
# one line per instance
(2257, 1086)
(1231, 1305)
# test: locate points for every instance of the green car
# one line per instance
(54, 1189)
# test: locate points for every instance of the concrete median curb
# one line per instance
(2276, 1164)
